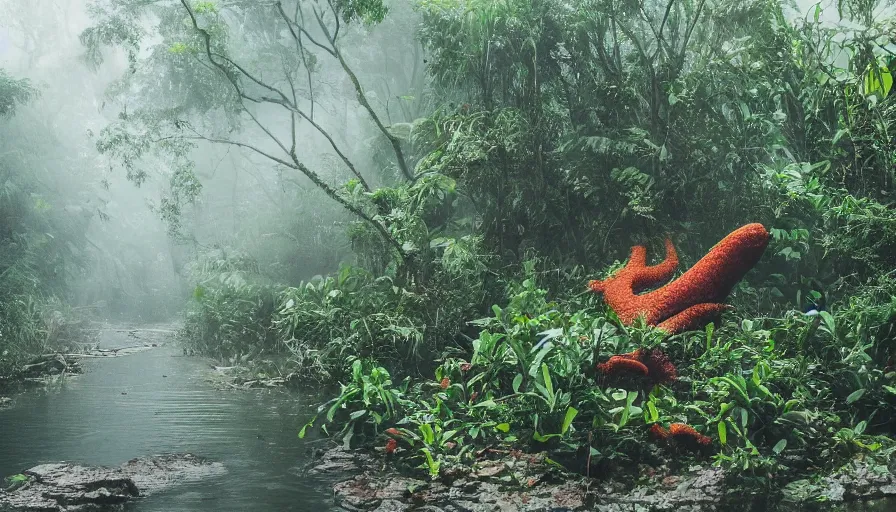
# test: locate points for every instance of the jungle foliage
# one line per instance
(551, 136)
(42, 239)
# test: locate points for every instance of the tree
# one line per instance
(198, 86)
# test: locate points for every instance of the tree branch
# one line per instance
(296, 164)
(362, 99)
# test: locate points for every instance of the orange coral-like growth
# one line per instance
(619, 365)
(639, 367)
(686, 435)
(658, 432)
(660, 368)
(692, 299)
(681, 434)
(623, 372)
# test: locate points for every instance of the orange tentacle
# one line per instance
(704, 285)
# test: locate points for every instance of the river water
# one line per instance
(157, 402)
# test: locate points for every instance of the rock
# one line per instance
(340, 460)
(505, 481)
(75, 488)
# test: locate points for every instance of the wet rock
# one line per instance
(75, 488)
(699, 489)
(340, 460)
(860, 482)
(508, 480)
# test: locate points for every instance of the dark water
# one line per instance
(158, 402)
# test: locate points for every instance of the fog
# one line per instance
(137, 264)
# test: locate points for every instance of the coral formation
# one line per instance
(682, 434)
(622, 365)
(622, 372)
(685, 435)
(658, 432)
(694, 298)
(638, 368)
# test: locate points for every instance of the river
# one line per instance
(159, 401)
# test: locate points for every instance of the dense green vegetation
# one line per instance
(544, 140)
(41, 238)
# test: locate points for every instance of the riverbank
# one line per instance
(513, 480)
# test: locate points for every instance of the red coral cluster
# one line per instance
(622, 365)
(682, 435)
(638, 368)
(694, 298)
(658, 432)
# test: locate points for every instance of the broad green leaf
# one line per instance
(779, 446)
(547, 379)
(517, 382)
(567, 420)
(855, 396)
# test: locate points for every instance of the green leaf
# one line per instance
(446, 436)
(855, 396)
(428, 435)
(517, 382)
(723, 433)
(654, 414)
(567, 420)
(485, 403)
(837, 136)
(779, 446)
(305, 428)
(503, 427)
(627, 410)
(547, 379)
(540, 438)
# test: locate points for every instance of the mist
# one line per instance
(138, 264)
